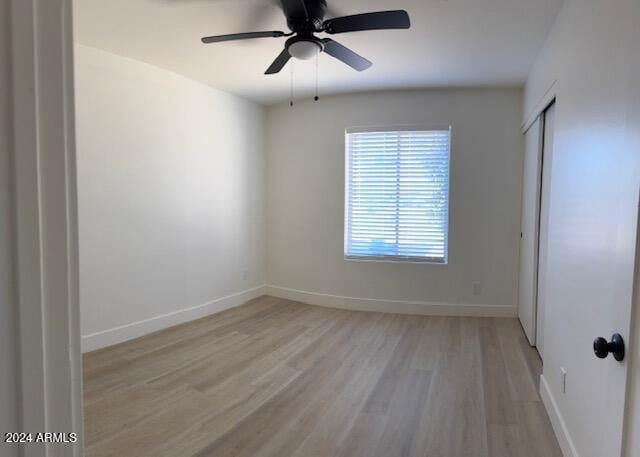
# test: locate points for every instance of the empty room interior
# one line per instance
(309, 228)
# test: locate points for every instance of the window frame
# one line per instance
(444, 261)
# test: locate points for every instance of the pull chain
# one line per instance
(291, 83)
(316, 98)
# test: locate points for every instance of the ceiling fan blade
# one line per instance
(279, 63)
(346, 55)
(382, 20)
(242, 36)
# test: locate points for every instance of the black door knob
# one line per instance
(602, 348)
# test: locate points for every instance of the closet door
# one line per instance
(527, 306)
(547, 160)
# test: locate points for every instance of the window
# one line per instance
(397, 194)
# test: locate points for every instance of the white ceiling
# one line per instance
(451, 43)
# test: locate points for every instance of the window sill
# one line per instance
(392, 259)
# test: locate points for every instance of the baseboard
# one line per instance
(137, 329)
(557, 422)
(391, 306)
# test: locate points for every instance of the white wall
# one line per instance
(171, 193)
(8, 318)
(593, 55)
(305, 176)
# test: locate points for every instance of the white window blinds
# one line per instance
(397, 195)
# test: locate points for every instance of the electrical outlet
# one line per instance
(477, 288)
(245, 274)
(563, 379)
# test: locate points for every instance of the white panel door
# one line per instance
(529, 230)
(547, 160)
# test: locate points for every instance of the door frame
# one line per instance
(547, 100)
(45, 213)
(630, 442)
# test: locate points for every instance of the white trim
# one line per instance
(144, 327)
(397, 128)
(542, 105)
(46, 222)
(557, 422)
(27, 245)
(630, 441)
(396, 259)
(391, 306)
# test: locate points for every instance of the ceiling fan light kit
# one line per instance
(305, 18)
(304, 48)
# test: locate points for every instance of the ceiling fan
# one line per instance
(305, 18)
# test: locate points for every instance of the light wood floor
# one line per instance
(279, 378)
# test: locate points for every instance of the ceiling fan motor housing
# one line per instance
(308, 18)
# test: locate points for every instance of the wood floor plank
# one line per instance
(498, 397)
(454, 422)
(407, 406)
(234, 400)
(138, 439)
(280, 425)
(113, 414)
(276, 378)
(139, 347)
(535, 430)
(523, 386)
(396, 371)
(505, 441)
